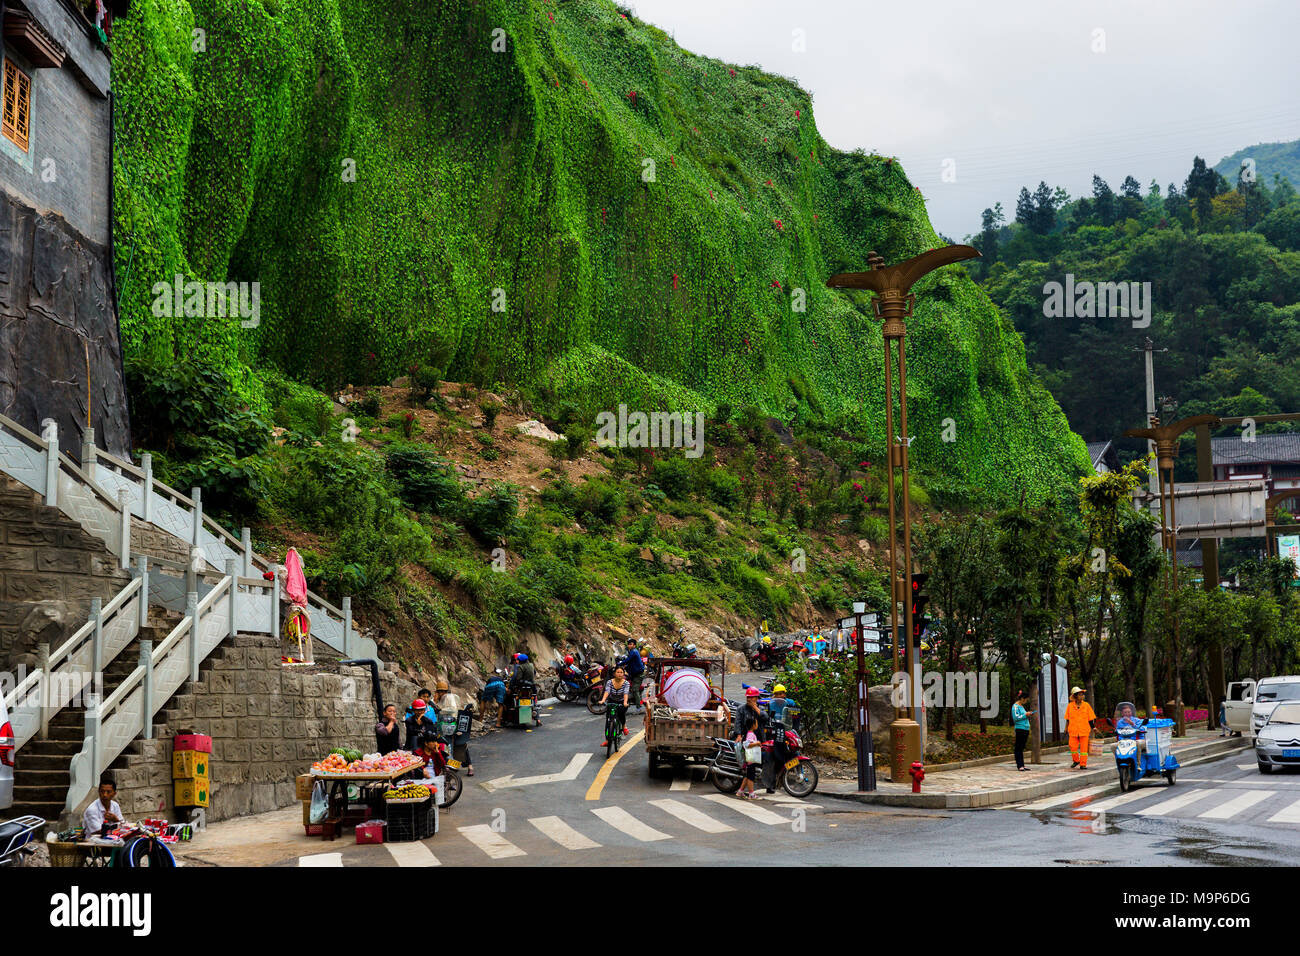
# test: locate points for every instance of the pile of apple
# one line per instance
(370, 763)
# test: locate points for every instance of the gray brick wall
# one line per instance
(68, 145)
(50, 568)
(268, 724)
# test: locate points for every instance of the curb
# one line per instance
(981, 799)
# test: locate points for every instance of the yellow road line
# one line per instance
(602, 776)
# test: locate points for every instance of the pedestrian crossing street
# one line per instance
(1221, 796)
(679, 817)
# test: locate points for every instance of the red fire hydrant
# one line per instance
(918, 774)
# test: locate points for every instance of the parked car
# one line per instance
(6, 758)
(1277, 744)
(1239, 705)
(1269, 692)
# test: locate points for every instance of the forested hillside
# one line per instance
(1223, 261)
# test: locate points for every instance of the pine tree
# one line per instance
(1103, 200)
(1025, 208)
(1044, 209)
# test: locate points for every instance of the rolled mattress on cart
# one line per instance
(686, 689)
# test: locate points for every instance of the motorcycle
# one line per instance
(519, 706)
(1143, 748)
(442, 764)
(573, 683)
(797, 774)
(16, 838)
(763, 657)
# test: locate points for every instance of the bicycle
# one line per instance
(613, 731)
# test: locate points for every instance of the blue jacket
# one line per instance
(633, 663)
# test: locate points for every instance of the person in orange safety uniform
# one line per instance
(1078, 724)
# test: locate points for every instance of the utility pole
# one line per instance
(1153, 485)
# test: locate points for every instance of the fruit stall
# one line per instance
(367, 792)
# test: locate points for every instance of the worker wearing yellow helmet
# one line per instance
(779, 704)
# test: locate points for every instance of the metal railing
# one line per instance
(128, 712)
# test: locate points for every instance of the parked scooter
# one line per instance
(797, 774)
(765, 656)
(573, 682)
(519, 706)
(1143, 748)
(17, 839)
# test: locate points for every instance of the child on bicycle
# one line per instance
(619, 686)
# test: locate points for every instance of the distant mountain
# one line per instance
(1270, 158)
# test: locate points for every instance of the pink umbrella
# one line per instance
(295, 582)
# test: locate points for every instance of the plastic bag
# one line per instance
(319, 805)
(754, 754)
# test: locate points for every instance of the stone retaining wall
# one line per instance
(50, 569)
(268, 724)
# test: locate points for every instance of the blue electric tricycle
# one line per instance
(1144, 748)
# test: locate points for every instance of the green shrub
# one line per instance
(598, 503)
(673, 476)
(723, 488)
(491, 515)
(426, 481)
(490, 410)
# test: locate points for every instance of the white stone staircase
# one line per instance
(102, 494)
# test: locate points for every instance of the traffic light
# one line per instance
(919, 600)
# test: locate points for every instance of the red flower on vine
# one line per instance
(632, 95)
(732, 72)
(864, 464)
(796, 114)
(778, 223)
(856, 486)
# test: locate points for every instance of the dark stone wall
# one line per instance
(58, 330)
(50, 569)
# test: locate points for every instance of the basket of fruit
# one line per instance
(411, 793)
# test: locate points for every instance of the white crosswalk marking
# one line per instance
(1288, 814)
(321, 859)
(412, 854)
(748, 809)
(490, 842)
(1113, 802)
(680, 783)
(563, 834)
(786, 800)
(688, 814)
(620, 819)
(1237, 804)
(1246, 766)
(1173, 803)
(1063, 800)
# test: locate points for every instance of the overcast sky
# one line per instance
(1012, 91)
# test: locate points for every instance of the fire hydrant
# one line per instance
(918, 774)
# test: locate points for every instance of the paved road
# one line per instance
(1221, 814)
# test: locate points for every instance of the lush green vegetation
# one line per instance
(469, 188)
(1223, 261)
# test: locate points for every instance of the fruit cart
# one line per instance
(370, 786)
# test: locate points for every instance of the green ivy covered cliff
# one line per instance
(548, 194)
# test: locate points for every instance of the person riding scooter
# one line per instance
(524, 676)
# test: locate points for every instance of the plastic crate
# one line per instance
(411, 821)
(370, 832)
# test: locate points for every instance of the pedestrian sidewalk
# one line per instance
(990, 784)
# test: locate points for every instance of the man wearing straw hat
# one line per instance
(1078, 724)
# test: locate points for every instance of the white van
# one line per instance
(6, 758)
(1269, 692)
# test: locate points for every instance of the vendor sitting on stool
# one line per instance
(103, 814)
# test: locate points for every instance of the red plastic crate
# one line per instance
(200, 742)
(372, 832)
(314, 829)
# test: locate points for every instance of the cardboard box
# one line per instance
(306, 812)
(200, 742)
(191, 764)
(191, 792)
(302, 786)
(370, 832)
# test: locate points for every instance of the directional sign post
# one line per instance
(864, 746)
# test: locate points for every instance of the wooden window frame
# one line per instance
(16, 105)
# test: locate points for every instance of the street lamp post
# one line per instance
(1166, 440)
(893, 302)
